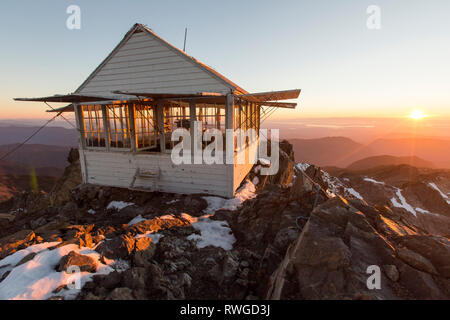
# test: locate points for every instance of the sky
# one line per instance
(323, 47)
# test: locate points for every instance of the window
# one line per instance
(94, 133)
(211, 116)
(119, 126)
(146, 135)
(176, 115)
(246, 117)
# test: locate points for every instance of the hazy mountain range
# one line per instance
(342, 151)
(45, 155)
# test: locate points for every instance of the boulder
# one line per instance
(420, 284)
(118, 247)
(416, 260)
(11, 244)
(85, 263)
(109, 281)
(391, 272)
(434, 248)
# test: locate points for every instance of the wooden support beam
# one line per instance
(132, 126)
(193, 117)
(106, 127)
(160, 113)
(81, 140)
(229, 115)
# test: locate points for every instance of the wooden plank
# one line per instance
(167, 89)
(170, 79)
(147, 73)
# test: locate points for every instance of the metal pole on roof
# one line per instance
(185, 35)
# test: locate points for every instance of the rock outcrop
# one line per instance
(300, 237)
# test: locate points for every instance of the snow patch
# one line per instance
(435, 187)
(8, 263)
(37, 279)
(354, 193)
(402, 204)
(373, 181)
(136, 220)
(118, 205)
(173, 201)
(247, 191)
(91, 211)
(213, 233)
(302, 166)
(420, 210)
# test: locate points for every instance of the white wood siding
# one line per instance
(117, 169)
(145, 64)
(241, 170)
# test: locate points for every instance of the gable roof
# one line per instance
(139, 28)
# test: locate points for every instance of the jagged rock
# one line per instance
(6, 219)
(330, 258)
(419, 283)
(110, 281)
(144, 252)
(121, 294)
(391, 272)
(12, 243)
(85, 263)
(156, 224)
(416, 260)
(27, 258)
(135, 278)
(37, 223)
(435, 249)
(142, 243)
(119, 247)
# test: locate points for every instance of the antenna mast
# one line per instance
(185, 35)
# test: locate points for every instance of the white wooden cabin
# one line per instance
(128, 107)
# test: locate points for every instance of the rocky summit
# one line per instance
(300, 234)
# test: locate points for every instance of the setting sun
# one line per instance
(417, 115)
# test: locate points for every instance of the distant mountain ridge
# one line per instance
(342, 152)
(387, 160)
(36, 155)
(57, 136)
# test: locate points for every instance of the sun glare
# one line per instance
(417, 115)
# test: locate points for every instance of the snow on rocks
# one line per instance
(8, 263)
(118, 205)
(218, 233)
(402, 204)
(247, 191)
(136, 220)
(435, 187)
(420, 210)
(38, 278)
(354, 193)
(213, 233)
(302, 166)
(373, 181)
(335, 186)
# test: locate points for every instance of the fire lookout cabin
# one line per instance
(127, 109)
